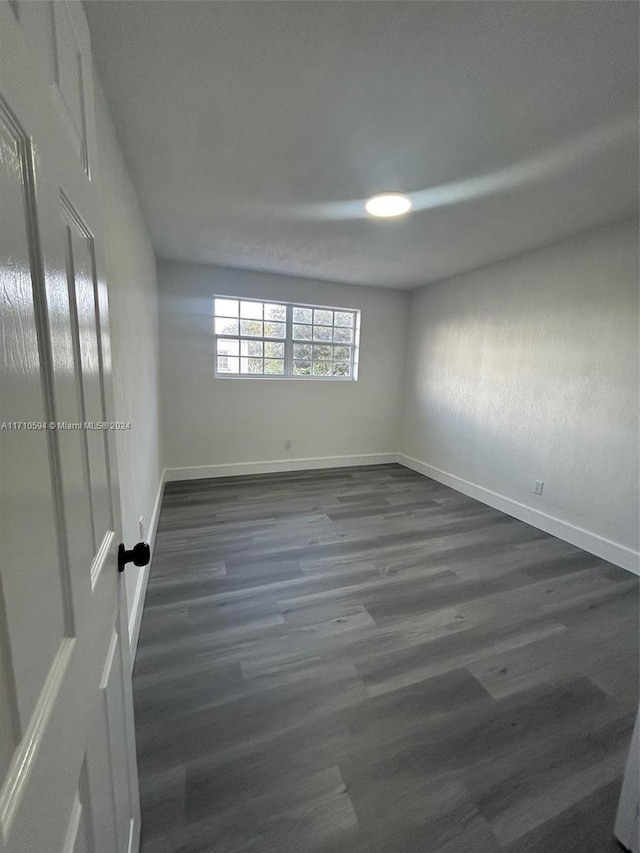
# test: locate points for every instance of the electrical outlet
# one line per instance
(141, 527)
(288, 444)
(538, 487)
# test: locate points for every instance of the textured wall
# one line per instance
(133, 312)
(209, 421)
(527, 370)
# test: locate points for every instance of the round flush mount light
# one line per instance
(388, 204)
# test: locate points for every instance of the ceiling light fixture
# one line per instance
(388, 204)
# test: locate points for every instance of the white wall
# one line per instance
(133, 312)
(528, 370)
(208, 421)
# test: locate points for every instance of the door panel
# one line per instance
(113, 747)
(75, 841)
(106, 825)
(25, 452)
(38, 27)
(68, 778)
(79, 837)
(69, 78)
(9, 719)
(85, 323)
(117, 739)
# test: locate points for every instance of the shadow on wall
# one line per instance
(527, 370)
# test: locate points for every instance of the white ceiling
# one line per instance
(254, 131)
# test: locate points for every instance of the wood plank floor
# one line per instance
(365, 661)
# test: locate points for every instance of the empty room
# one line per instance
(319, 504)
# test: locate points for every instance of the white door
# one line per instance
(627, 828)
(67, 754)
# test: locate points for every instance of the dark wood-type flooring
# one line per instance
(365, 661)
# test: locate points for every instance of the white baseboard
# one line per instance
(613, 552)
(137, 606)
(234, 469)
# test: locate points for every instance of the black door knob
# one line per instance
(139, 555)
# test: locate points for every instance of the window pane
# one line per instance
(226, 307)
(252, 348)
(274, 366)
(252, 328)
(275, 312)
(251, 365)
(343, 318)
(228, 364)
(273, 350)
(226, 346)
(301, 368)
(343, 353)
(226, 327)
(302, 351)
(341, 368)
(251, 310)
(302, 333)
(256, 338)
(322, 333)
(302, 315)
(343, 336)
(322, 317)
(274, 330)
(324, 351)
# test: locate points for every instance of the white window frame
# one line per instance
(289, 342)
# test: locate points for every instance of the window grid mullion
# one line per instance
(288, 347)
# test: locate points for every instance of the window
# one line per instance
(278, 339)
